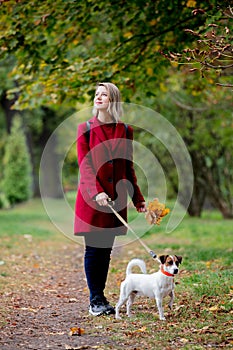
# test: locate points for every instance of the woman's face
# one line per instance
(101, 99)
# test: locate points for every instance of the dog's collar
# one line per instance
(165, 272)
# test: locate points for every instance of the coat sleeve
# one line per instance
(137, 196)
(89, 184)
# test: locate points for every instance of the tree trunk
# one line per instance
(8, 112)
(199, 188)
(198, 198)
(216, 196)
(50, 185)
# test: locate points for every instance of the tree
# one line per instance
(202, 113)
(212, 47)
(63, 50)
(38, 124)
(17, 175)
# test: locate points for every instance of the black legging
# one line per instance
(98, 247)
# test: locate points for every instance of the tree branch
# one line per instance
(189, 108)
(225, 85)
(216, 67)
(150, 36)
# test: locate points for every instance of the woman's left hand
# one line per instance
(141, 207)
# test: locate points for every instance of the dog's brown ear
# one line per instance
(163, 258)
(179, 258)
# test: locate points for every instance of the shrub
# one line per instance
(4, 203)
(17, 178)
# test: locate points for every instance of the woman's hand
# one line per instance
(102, 199)
(141, 207)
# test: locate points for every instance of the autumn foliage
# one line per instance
(155, 212)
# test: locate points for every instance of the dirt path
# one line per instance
(48, 300)
(43, 296)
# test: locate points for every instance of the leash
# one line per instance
(110, 205)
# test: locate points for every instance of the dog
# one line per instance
(156, 285)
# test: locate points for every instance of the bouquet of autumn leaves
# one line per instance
(155, 212)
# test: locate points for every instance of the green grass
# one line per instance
(202, 315)
(203, 306)
(29, 218)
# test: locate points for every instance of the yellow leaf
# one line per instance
(191, 3)
(153, 22)
(156, 48)
(128, 35)
(155, 212)
(115, 66)
(174, 64)
(143, 329)
(150, 71)
(195, 93)
(76, 331)
(210, 81)
(37, 22)
(214, 308)
(94, 73)
(163, 87)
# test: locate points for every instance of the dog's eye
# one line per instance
(170, 262)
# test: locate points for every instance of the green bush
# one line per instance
(17, 178)
(4, 203)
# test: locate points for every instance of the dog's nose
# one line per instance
(175, 271)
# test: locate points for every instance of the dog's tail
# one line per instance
(135, 262)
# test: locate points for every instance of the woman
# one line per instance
(104, 148)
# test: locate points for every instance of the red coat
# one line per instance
(105, 166)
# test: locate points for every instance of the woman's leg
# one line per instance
(96, 263)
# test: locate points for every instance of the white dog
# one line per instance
(156, 285)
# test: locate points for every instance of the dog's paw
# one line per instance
(162, 318)
(117, 317)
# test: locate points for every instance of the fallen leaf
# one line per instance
(214, 308)
(205, 329)
(28, 237)
(28, 309)
(76, 331)
(208, 264)
(143, 329)
(184, 340)
(73, 300)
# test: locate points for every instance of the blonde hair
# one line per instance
(114, 108)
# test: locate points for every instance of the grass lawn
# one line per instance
(202, 314)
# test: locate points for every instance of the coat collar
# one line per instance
(118, 136)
